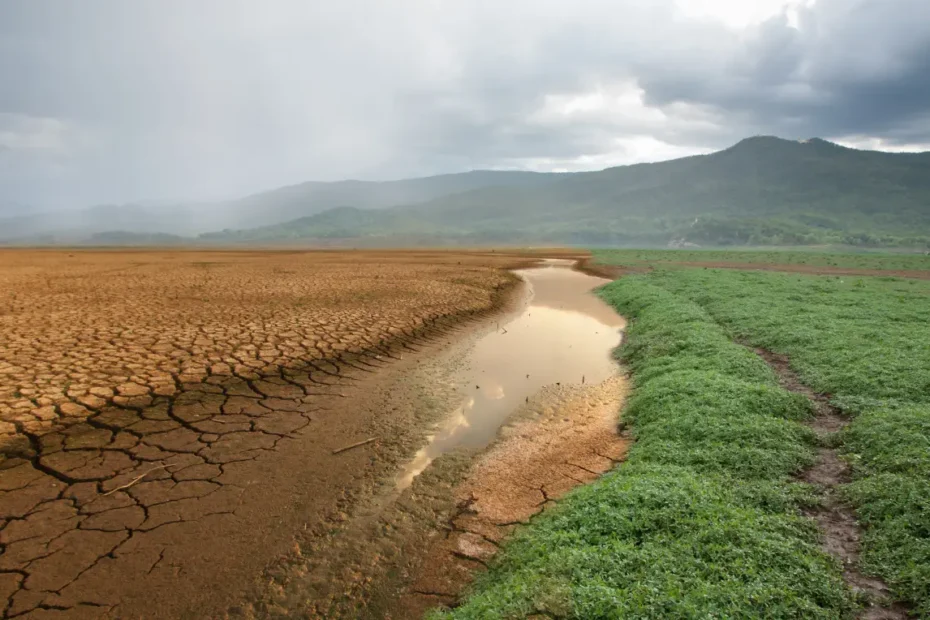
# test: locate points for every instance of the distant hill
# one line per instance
(306, 199)
(267, 208)
(13, 209)
(762, 191)
(80, 224)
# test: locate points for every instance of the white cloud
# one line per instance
(624, 125)
(35, 135)
(879, 144)
(740, 14)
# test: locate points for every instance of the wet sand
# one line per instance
(233, 503)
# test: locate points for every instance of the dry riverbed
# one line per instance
(166, 413)
(523, 409)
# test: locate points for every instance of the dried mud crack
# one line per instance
(145, 443)
(836, 519)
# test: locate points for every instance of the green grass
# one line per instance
(702, 520)
(849, 260)
(866, 342)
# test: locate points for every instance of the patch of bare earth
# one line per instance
(397, 554)
(615, 271)
(837, 520)
(168, 419)
(566, 439)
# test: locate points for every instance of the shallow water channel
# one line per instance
(564, 334)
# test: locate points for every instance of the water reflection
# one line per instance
(563, 335)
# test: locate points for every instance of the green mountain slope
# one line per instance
(306, 199)
(763, 190)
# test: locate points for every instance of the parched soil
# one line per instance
(168, 419)
(836, 519)
(81, 328)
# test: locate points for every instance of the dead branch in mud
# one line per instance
(134, 480)
(355, 445)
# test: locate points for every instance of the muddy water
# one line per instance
(562, 336)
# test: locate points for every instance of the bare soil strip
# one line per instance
(570, 441)
(615, 271)
(835, 517)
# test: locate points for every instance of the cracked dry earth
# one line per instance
(167, 419)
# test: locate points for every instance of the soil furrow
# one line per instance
(834, 516)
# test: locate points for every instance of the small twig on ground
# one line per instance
(355, 445)
(134, 480)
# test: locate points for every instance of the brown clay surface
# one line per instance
(837, 520)
(168, 419)
(570, 439)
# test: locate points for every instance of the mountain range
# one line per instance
(761, 191)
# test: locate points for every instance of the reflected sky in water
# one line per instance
(564, 335)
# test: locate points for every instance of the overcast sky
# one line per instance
(127, 100)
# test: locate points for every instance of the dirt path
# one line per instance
(836, 519)
(615, 271)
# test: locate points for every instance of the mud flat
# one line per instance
(522, 411)
(168, 419)
(171, 425)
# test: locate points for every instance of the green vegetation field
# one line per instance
(849, 260)
(704, 518)
(866, 342)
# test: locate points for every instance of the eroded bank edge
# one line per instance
(705, 505)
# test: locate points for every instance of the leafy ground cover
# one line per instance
(865, 342)
(858, 260)
(703, 519)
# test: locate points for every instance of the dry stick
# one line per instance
(134, 480)
(355, 445)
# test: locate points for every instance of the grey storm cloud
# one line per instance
(850, 67)
(112, 101)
